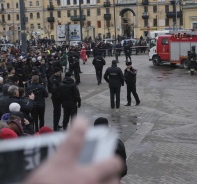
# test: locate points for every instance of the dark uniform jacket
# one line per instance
(40, 93)
(98, 62)
(127, 50)
(114, 77)
(68, 91)
(130, 76)
(54, 83)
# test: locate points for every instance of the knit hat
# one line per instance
(101, 121)
(45, 129)
(1, 79)
(14, 107)
(56, 69)
(5, 117)
(114, 62)
(128, 63)
(39, 58)
(7, 133)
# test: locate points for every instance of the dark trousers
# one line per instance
(113, 92)
(128, 56)
(70, 110)
(56, 113)
(99, 74)
(76, 75)
(38, 113)
(132, 89)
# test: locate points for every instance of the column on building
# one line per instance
(91, 2)
(65, 2)
(85, 2)
(78, 2)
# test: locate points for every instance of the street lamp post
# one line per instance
(116, 53)
(80, 15)
(176, 14)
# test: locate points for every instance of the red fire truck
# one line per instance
(173, 48)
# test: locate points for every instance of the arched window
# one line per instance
(17, 17)
(9, 17)
(37, 3)
(30, 3)
(8, 5)
(3, 18)
(38, 15)
(31, 16)
(16, 5)
(2, 6)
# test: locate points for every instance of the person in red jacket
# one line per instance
(83, 55)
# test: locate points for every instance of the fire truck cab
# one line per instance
(173, 48)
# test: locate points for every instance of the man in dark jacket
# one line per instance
(114, 77)
(98, 63)
(130, 79)
(70, 98)
(54, 83)
(39, 102)
(4, 98)
(127, 51)
(120, 148)
(13, 97)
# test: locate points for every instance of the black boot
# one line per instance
(128, 104)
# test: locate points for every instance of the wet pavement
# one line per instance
(160, 134)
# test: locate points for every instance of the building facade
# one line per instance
(104, 18)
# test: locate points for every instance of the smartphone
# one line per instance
(18, 157)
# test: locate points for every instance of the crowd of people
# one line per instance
(27, 79)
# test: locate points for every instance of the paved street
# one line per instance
(160, 134)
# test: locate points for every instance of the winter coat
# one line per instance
(83, 54)
(98, 62)
(130, 76)
(54, 83)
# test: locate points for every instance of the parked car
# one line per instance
(108, 40)
(133, 41)
(75, 43)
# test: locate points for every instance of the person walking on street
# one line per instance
(54, 83)
(70, 98)
(98, 63)
(83, 55)
(114, 77)
(130, 79)
(127, 52)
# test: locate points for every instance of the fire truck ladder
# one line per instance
(181, 32)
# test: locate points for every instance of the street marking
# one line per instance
(132, 143)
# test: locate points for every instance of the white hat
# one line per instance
(39, 58)
(1, 79)
(21, 57)
(33, 60)
(14, 107)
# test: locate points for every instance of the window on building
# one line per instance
(38, 26)
(37, 3)
(98, 11)
(16, 5)
(68, 13)
(98, 1)
(59, 14)
(68, 2)
(31, 26)
(99, 24)
(3, 18)
(51, 14)
(19, 28)
(10, 28)
(51, 26)
(30, 3)
(74, 1)
(17, 17)
(81, 1)
(155, 9)
(181, 21)
(88, 12)
(31, 16)
(4, 29)
(88, 1)
(89, 23)
(145, 8)
(9, 17)
(58, 2)
(155, 22)
(107, 23)
(82, 24)
(194, 25)
(2, 6)
(166, 22)
(38, 15)
(75, 12)
(82, 12)
(107, 11)
(166, 8)
(145, 22)
(8, 5)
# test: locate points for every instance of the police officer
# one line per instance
(130, 79)
(40, 93)
(54, 83)
(70, 98)
(98, 63)
(127, 51)
(114, 77)
(192, 59)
